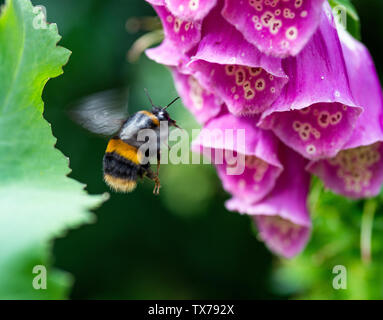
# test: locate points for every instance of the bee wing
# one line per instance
(103, 112)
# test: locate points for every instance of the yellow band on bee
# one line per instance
(124, 150)
(151, 116)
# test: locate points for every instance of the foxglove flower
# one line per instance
(203, 104)
(225, 63)
(168, 54)
(183, 34)
(282, 218)
(279, 28)
(304, 97)
(257, 150)
(316, 112)
(357, 171)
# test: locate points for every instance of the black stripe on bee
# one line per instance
(120, 167)
(121, 173)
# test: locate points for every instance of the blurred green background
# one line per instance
(184, 244)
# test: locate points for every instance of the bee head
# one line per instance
(161, 113)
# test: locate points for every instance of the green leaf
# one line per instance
(352, 18)
(38, 202)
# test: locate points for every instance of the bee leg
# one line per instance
(156, 179)
(157, 186)
(150, 174)
(158, 162)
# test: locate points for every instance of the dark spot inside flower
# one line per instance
(241, 76)
(323, 118)
(276, 25)
(356, 175)
(267, 19)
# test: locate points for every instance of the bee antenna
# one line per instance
(150, 99)
(170, 103)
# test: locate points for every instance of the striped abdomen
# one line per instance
(122, 166)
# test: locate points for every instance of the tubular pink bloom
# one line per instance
(225, 63)
(357, 172)
(256, 156)
(354, 173)
(184, 35)
(282, 217)
(203, 104)
(168, 54)
(280, 28)
(191, 10)
(316, 112)
(367, 91)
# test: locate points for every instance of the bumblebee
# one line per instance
(104, 114)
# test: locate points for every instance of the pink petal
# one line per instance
(245, 90)
(225, 63)
(282, 217)
(357, 172)
(168, 54)
(258, 153)
(318, 131)
(183, 34)
(367, 92)
(316, 113)
(203, 104)
(279, 28)
(191, 10)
